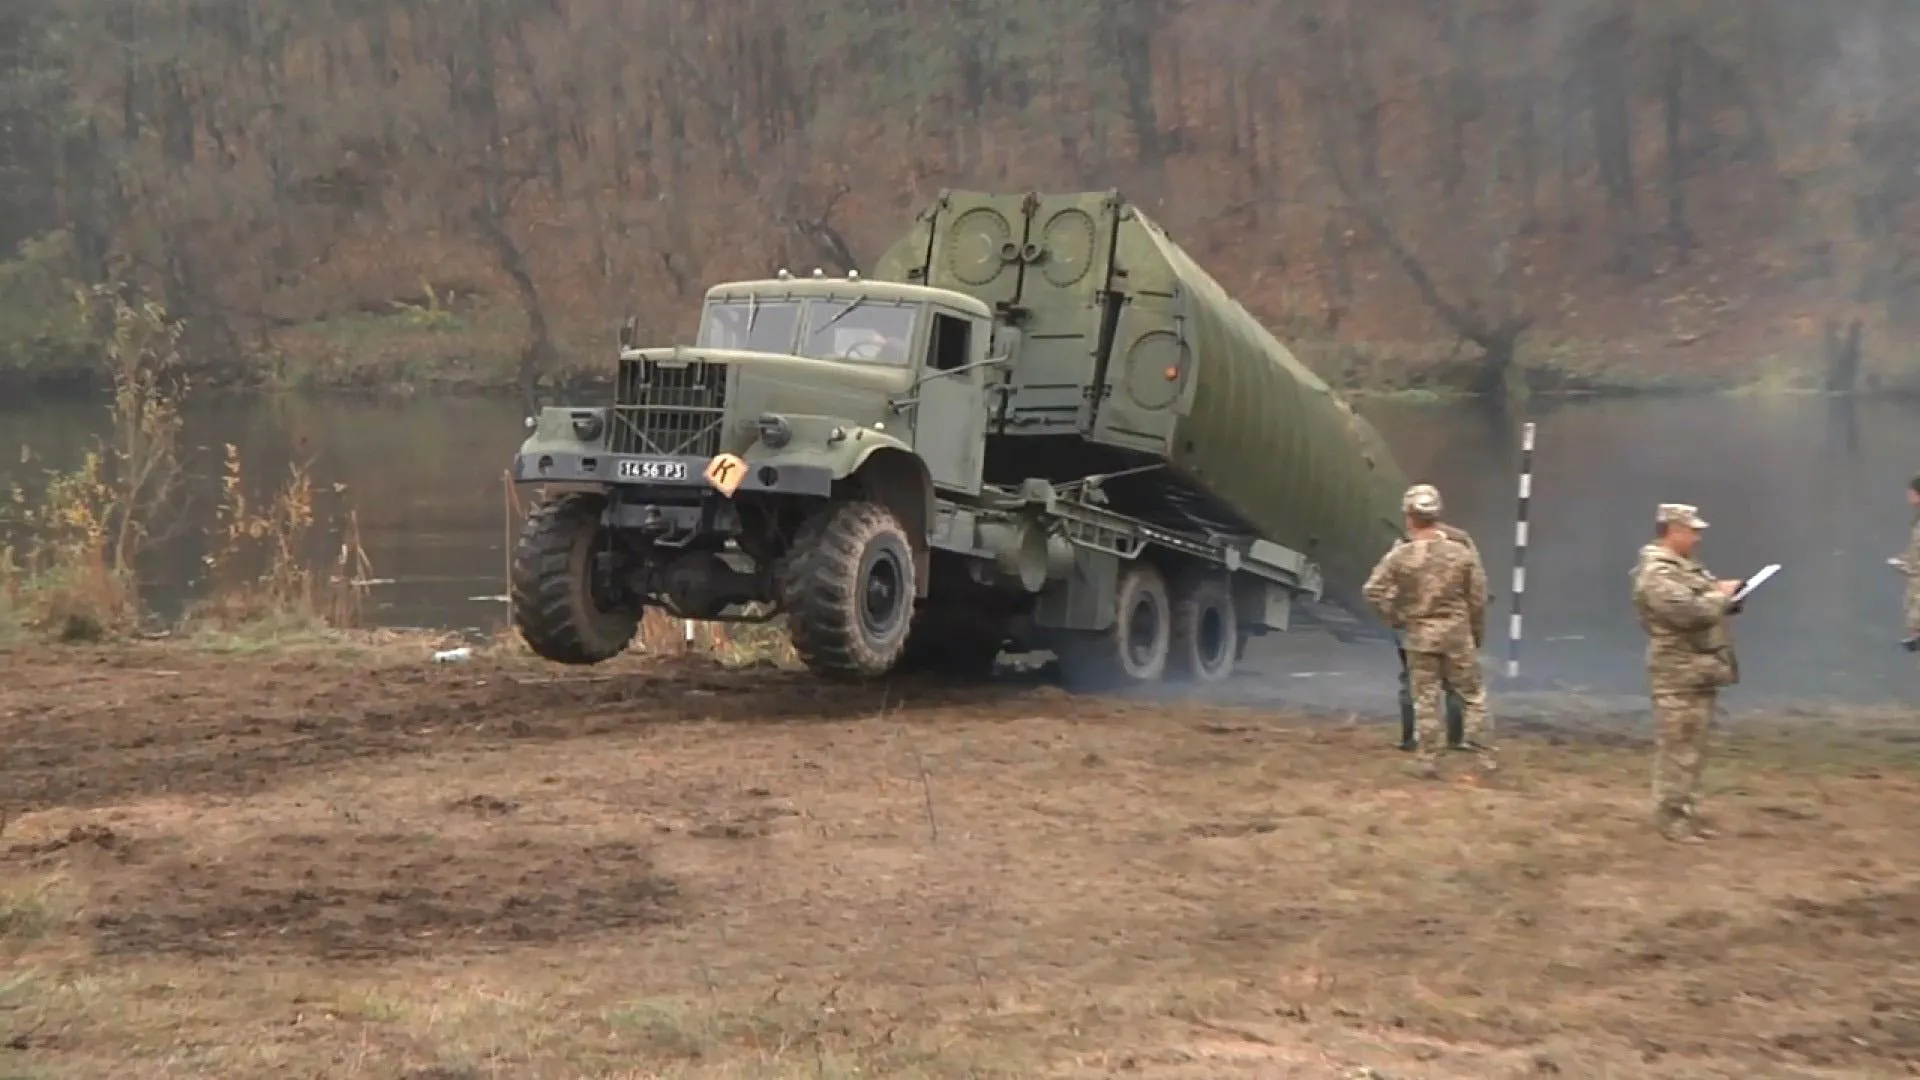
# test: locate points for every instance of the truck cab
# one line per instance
(907, 359)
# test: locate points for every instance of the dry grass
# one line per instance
(497, 869)
(65, 580)
(262, 570)
(73, 581)
(736, 645)
(71, 571)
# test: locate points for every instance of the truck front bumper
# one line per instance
(682, 474)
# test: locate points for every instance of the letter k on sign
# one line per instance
(726, 473)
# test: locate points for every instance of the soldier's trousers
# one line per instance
(1913, 607)
(1681, 723)
(1426, 672)
(1455, 708)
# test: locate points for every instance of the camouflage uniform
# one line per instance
(1689, 658)
(1433, 590)
(1647, 551)
(1909, 564)
(1455, 707)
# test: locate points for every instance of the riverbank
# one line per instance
(302, 858)
(401, 356)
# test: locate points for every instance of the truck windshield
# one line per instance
(865, 331)
(750, 325)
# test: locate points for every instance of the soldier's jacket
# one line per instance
(1434, 591)
(1684, 614)
(1647, 551)
(1912, 569)
(1454, 532)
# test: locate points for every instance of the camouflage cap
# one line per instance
(1679, 514)
(1422, 499)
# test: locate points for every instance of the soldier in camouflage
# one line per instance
(1684, 611)
(1909, 564)
(1432, 588)
(1455, 707)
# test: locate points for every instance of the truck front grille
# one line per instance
(668, 410)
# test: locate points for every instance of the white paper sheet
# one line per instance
(1758, 579)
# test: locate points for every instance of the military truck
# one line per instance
(1039, 425)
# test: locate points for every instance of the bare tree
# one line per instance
(1479, 302)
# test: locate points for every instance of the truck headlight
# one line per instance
(587, 426)
(774, 430)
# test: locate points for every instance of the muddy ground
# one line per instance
(352, 863)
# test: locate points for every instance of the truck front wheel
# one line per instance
(558, 606)
(1205, 632)
(1134, 649)
(847, 585)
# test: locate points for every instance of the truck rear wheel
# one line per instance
(1205, 633)
(1131, 651)
(557, 606)
(847, 586)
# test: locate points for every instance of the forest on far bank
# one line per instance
(359, 192)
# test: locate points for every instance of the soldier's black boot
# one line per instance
(1406, 709)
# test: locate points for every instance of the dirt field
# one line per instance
(361, 865)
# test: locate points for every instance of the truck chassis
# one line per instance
(869, 582)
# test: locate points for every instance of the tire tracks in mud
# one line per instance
(204, 728)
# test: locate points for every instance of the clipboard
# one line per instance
(1759, 578)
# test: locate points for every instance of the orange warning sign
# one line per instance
(726, 473)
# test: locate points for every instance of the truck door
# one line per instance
(977, 241)
(1063, 287)
(1147, 371)
(950, 410)
(1150, 361)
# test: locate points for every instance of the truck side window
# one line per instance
(951, 336)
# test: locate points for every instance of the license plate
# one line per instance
(643, 469)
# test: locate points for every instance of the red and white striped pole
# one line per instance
(1520, 549)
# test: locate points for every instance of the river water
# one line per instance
(1809, 482)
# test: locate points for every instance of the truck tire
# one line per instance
(847, 586)
(554, 605)
(1205, 635)
(1134, 649)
